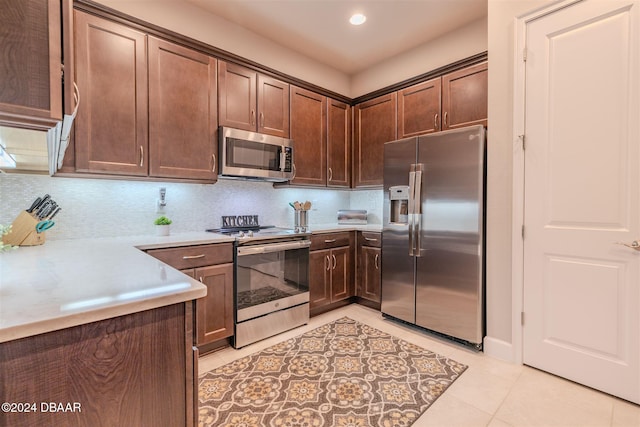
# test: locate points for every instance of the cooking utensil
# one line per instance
(38, 203)
(297, 206)
(35, 203)
(46, 209)
(54, 213)
(307, 205)
(44, 225)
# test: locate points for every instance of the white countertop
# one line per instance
(66, 283)
(327, 228)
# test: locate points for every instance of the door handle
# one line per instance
(375, 261)
(635, 245)
(334, 261)
(328, 263)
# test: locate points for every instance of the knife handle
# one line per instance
(54, 213)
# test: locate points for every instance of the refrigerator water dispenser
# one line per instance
(399, 198)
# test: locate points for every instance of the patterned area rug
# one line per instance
(341, 374)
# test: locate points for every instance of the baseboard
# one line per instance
(498, 349)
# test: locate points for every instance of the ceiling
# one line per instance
(320, 29)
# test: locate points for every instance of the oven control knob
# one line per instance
(241, 234)
(277, 305)
(250, 233)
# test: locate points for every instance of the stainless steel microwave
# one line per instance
(252, 155)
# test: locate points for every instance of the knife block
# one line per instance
(23, 232)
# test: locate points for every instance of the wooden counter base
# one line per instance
(134, 370)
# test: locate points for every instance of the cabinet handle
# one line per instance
(334, 261)
(328, 262)
(330, 241)
(444, 119)
(213, 169)
(261, 119)
(330, 174)
(435, 121)
(294, 171)
(370, 239)
(193, 256)
(201, 280)
(141, 156)
(375, 261)
(253, 117)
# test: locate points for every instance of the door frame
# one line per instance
(518, 181)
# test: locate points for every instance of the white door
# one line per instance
(582, 188)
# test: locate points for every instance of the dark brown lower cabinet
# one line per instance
(369, 275)
(214, 313)
(138, 369)
(211, 264)
(330, 269)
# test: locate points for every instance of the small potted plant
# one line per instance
(162, 225)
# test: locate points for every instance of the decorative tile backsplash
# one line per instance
(105, 208)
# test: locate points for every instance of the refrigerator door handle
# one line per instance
(411, 208)
(417, 214)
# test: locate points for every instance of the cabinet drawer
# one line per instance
(369, 238)
(195, 256)
(330, 240)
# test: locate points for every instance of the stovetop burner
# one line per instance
(261, 232)
(246, 227)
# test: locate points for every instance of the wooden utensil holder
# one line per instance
(23, 232)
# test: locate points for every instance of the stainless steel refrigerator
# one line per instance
(433, 232)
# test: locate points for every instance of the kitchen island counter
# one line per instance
(65, 283)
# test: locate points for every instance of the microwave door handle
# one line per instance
(283, 158)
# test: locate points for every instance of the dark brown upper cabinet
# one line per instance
(464, 97)
(321, 131)
(309, 133)
(183, 119)
(30, 63)
(252, 101)
(338, 144)
(111, 73)
(419, 108)
(375, 124)
(451, 101)
(148, 106)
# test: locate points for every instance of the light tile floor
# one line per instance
(489, 393)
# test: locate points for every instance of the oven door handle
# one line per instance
(272, 247)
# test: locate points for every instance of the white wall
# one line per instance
(189, 20)
(184, 18)
(451, 47)
(105, 208)
(501, 32)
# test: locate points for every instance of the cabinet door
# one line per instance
(319, 278)
(309, 132)
(214, 313)
(375, 124)
(338, 144)
(236, 96)
(273, 106)
(30, 63)
(182, 112)
(112, 120)
(369, 274)
(341, 276)
(419, 109)
(464, 97)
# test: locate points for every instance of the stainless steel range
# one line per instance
(271, 278)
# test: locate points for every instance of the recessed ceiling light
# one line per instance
(357, 19)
